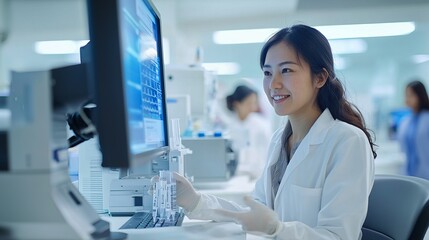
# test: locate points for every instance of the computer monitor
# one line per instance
(126, 67)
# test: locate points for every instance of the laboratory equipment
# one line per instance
(38, 199)
(165, 201)
(164, 212)
(212, 159)
(138, 143)
(179, 106)
(40, 100)
(128, 194)
(93, 180)
(3, 98)
(196, 82)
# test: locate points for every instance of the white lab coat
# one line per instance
(325, 188)
(251, 139)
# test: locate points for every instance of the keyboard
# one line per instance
(145, 220)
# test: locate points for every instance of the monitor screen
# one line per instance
(141, 65)
(126, 67)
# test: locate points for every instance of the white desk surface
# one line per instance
(190, 230)
(196, 229)
(233, 189)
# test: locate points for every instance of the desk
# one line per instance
(232, 190)
(190, 230)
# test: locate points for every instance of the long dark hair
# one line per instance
(241, 92)
(419, 89)
(314, 48)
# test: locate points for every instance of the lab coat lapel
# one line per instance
(315, 136)
(274, 156)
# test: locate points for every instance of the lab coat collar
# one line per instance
(315, 136)
(319, 129)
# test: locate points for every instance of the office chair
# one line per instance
(398, 209)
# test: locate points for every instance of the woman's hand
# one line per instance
(260, 218)
(186, 196)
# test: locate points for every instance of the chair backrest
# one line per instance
(398, 209)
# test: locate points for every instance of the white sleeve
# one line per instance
(206, 205)
(344, 201)
(204, 208)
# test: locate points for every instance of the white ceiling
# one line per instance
(190, 23)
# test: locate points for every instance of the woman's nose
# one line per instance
(276, 81)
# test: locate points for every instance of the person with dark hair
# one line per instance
(413, 134)
(243, 101)
(320, 168)
(250, 132)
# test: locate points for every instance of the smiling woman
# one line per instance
(302, 53)
(320, 168)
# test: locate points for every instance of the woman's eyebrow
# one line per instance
(280, 64)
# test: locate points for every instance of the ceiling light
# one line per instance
(243, 36)
(420, 58)
(59, 47)
(367, 30)
(331, 32)
(223, 68)
(347, 46)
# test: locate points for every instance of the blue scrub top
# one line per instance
(413, 136)
(410, 149)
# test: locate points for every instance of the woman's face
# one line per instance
(288, 81)
(411, 99)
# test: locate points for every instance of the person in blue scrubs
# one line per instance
(413, 132)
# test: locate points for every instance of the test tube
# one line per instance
(166, 175)
(163, 194)
(176, 141)
(173, 196)
(155, 201)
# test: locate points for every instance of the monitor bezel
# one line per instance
(105, 38)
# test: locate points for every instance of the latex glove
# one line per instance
(186, 196)
(258, 220)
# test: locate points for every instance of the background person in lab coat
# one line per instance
(413, 132)
(320, 168)
(249, 131)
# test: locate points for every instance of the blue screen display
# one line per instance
(141, 59)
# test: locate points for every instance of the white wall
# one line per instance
(38, 20)
(374, 81)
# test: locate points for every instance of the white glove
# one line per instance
(259, 220)
(186, 196)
